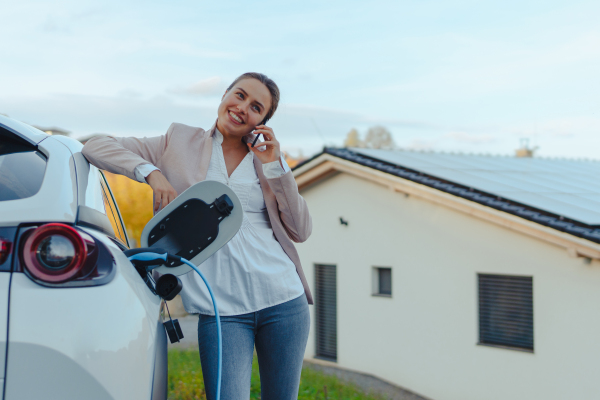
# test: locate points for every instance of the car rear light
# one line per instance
(5, 247)
(55, 253)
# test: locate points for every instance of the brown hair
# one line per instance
(271, 86)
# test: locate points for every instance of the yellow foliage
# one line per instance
(134, 200)
(291, 161)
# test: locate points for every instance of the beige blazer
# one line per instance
(183, 156)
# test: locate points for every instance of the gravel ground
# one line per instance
(368, 383)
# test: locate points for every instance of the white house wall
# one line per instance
(425, 336)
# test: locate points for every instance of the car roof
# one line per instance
(23, 131)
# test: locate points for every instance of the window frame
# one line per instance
(112, 203)
(376, 284)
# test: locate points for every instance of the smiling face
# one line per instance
(243, 107)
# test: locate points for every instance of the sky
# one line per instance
(452, 76)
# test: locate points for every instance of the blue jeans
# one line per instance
(279, 333)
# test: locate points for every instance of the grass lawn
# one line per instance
(185, 381)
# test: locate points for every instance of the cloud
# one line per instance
(206, 87)
(115, 115)
(298, 127)
(464, 137)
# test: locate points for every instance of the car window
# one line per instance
(22, 170)
(113, 212)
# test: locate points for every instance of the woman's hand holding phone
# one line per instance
(272, 151)
(163, 191)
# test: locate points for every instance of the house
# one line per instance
(456, 276)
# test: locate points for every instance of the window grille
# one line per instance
(506, 311)
(326, 311)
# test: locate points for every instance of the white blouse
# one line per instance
(251, 272)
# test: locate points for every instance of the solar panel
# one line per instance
(569, 188)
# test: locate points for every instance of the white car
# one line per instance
(77, 320)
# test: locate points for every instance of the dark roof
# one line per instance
(566, 187)
(527, 211)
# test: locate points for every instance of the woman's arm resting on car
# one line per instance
(123, 155)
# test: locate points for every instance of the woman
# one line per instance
(257, 278)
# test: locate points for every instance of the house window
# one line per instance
(506, 311)
(382, 281)
(326, 312)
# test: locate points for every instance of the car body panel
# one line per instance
(6, 233)
(73, 145)
(116, 345)
(90, 195)
(150, 301)
(4, 288)
(59, 379)
(160, 379)
(57, 194)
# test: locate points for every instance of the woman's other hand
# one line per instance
(272, 152)
(163, 191)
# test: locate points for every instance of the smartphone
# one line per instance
(256, 139)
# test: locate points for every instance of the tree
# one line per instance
(352, 139)
(135, 203)
(379, 138)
